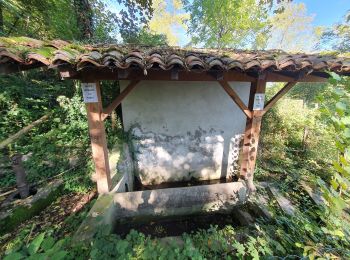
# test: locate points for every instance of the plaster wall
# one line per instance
(184, 130)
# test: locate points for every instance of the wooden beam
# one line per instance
(123, 74)
(279, 77)
(278, 96)
(99, 144)
(91, 74)
(153, 74)
(251, 135)
(116, 102)
(174, 74)
(235, 98)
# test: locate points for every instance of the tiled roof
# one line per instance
(27, 53)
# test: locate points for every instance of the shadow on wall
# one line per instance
(184, 130)
(202, 155)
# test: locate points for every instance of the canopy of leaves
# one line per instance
(84, 20)
(227, 23)
(290, 24)
(146, 37)
(39, 19)
(168, 18)
(338, 37)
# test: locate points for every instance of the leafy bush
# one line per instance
(42, 247)
(293, 137)
(337, 193)
(52, 146)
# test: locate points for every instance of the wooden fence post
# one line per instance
(92, 98)
(252, 134)
(21, 180)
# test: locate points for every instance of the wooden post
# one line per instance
(99, 143)
(21, 180)
(252, 134)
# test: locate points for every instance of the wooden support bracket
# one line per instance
(174, 75)
(235, 98)
(278, 96)
(279, 77)
(116, 102)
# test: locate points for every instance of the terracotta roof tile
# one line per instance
(27, 52)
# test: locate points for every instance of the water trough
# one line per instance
(141, 207)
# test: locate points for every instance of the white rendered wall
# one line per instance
(184, 130)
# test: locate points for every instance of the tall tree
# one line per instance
(227, 23)
(46, 19)
(87, 20)
(84, 16)
(168, 18)
(292, 29)
(338, 36)
(146, 37)
(134, 16)
(1, 20)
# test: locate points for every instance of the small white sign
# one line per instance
(89, 92)
(259, 101)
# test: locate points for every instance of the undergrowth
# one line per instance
(61, 145)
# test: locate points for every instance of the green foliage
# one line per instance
(84, 20)
(318, 232)
(146, 37)
(25, 98)
(290, 24)
(167, 19)
(46, 19)
(42, 247)
(64, 136)
(293, 136)
(337, 193)
(302, 235)
(338, 35)
(227, 23)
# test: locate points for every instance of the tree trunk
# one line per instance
(84, 18)
(1, 21)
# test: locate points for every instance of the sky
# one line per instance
(327, 12)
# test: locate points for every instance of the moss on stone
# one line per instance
(23, 213)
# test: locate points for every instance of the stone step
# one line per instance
(244, 218)
(282, 201)
(314, 193)
(258, 205)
